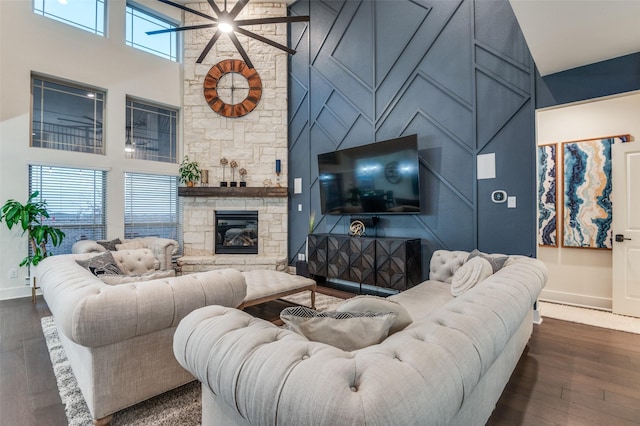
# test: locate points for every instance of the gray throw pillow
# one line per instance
(110, 245)
(102, 264)
(376, 304)
(497, 262)
(348, 331)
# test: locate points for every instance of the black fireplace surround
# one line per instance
(236, 232)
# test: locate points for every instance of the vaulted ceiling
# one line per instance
(564, 34)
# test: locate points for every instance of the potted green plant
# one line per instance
(190, 171)
(30, 216)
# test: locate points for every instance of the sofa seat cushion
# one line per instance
(348, 331)
(425, 298)
(375, 304)
(126, 279)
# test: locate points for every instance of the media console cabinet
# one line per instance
(393, 263)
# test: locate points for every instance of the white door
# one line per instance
(626, 228)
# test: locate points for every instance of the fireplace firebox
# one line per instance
(236, 231)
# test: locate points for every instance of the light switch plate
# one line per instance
(511, 202)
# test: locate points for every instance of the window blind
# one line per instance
(76, 201)
(152, 206)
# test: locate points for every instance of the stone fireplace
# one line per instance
(199, 226)
(255, 141)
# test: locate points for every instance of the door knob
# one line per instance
(620, 238)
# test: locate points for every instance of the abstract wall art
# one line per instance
(547, 196)
(587, 211)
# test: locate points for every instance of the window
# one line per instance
(140, 21)
(76, 202)
(151, 132)
(151, 206)
(86, 14)
(66, 117)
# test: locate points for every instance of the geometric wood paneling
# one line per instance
(458, 73)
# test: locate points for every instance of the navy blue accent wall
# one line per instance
(618, 75)
(458, 73)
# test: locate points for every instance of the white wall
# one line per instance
(583, 276)
(32, 43)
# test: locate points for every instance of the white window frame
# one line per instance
(52, 8)
(155, 21)
(55, 126)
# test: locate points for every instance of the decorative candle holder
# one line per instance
(204, 178)
(223, 163)
(278, 170)
(243, 173)
(233, 164)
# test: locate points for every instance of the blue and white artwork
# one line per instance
(547, 196)
(587, 193)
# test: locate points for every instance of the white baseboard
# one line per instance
(580, 300)
(16, 292)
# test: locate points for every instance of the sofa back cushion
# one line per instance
(136, 262)
(445, 263)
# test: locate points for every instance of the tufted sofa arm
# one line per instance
(163, 248)
(421, 375)
(92, 313)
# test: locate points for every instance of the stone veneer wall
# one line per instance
(255, 141)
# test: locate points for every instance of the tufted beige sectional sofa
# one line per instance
(448, 367)
(118, 338)
(163, 248)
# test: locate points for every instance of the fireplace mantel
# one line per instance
(239, 192)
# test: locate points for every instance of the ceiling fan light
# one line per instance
(225, 27)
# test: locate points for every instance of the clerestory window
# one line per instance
(139, 22)
(86, 14)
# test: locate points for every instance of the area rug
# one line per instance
(180, 406)
(592, 317)
(324, 302)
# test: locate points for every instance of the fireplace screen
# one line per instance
(237, 232)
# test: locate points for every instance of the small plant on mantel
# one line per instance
(190, 171)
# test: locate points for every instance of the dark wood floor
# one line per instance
(572, 375)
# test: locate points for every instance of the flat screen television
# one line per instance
(378, 178)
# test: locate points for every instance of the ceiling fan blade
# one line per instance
(208, 47)
(265, 40)
(243, 53)
(215, 7)
(276, 20)
(173, 30)
(237, 8)
(187, 9)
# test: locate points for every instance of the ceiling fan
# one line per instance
(226, 22)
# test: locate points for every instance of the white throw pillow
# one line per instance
(376, 304)
(348, 331)
(470, 274)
